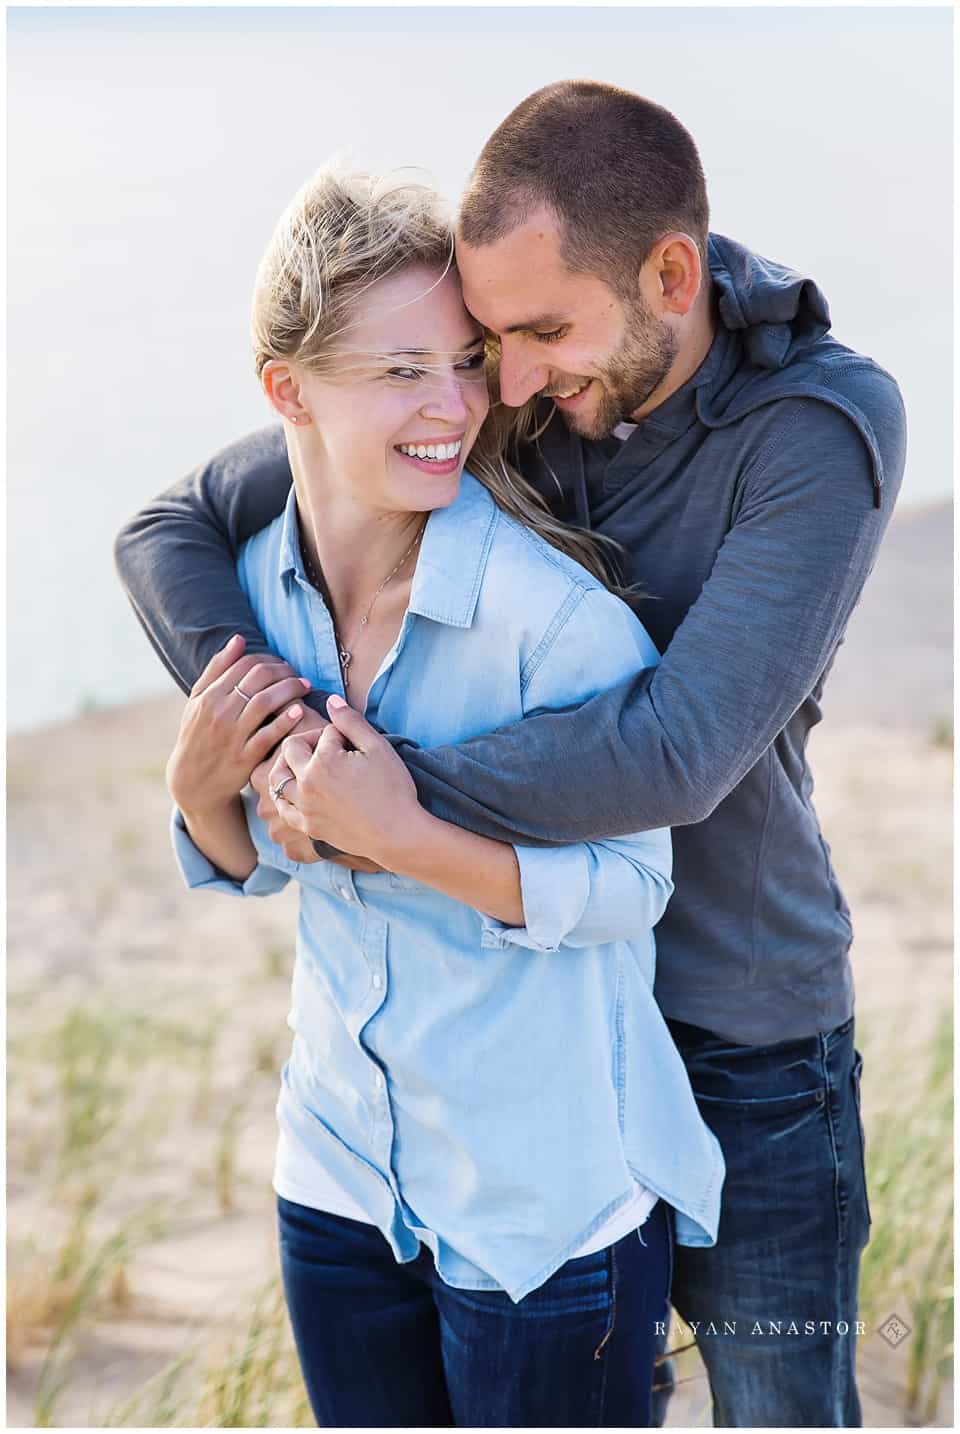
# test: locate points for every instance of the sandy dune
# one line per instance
(187, 997)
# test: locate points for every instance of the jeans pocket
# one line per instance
(743, 1109)
(855, 1078)
(780, 1079)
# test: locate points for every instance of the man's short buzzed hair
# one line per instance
(618, 171)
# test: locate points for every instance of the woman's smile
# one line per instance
(431, 455)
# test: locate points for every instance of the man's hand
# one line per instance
(362, 800)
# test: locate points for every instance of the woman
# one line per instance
(486, 1133)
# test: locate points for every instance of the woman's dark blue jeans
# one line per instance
(393, 1346)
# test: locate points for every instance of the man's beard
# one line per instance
(630, 376)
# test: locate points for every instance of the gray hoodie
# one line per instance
(751, 504)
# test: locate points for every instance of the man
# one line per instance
(748, 464)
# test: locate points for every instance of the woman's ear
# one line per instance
(282, 388)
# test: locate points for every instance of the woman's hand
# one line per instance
(222, 734)
(362, 801)
(294, 844)
(365, 801)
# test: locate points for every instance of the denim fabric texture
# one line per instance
(393, 1346)
(751, 505)
(491, 1092)
(794, 1224)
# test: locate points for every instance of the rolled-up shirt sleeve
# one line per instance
(589, 893)
(614, 889)
(199, 873)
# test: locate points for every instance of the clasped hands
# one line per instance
(346, 784)
(342, 783)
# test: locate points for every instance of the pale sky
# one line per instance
(151, 151)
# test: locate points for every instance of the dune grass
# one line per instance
(252, 1379)
(907, 1267)
(89, 1273)
(140, 1105)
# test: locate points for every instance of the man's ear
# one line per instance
(282, 388)
(673, 274)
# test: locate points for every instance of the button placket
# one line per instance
(324, 641)
(375, 953)
(342, 883)
(378, 685)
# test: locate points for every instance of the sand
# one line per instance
(147, 1024)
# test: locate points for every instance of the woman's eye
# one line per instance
(475, 361)
(551, 338)
(405, 373)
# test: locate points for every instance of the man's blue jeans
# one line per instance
(392, 1346)
(793, 1224)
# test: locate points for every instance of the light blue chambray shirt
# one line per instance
(491, 1091)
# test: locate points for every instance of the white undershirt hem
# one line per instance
(298, 1176)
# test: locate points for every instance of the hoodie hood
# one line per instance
(774, 342)
(777, 310)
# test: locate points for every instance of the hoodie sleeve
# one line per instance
(177, 557)
(665, 747)
(661, 749)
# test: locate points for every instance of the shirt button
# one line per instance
(378, 1078)
(377, 980)
(345, 892)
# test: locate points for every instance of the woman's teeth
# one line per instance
(439, 452)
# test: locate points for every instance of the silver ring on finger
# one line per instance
(277, 791)
(240, 692)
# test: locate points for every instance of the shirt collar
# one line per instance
(291, 558)
(453, 554)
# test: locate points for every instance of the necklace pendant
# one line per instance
(345, 658)
(363, 622)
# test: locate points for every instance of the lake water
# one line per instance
(151, 150)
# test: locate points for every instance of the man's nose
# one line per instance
(519, 379)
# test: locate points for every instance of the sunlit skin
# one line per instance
(361, 500)
(410, 371)
(560, 330)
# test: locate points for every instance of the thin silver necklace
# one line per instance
(345, 654)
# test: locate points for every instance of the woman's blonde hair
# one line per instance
(344, 232)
